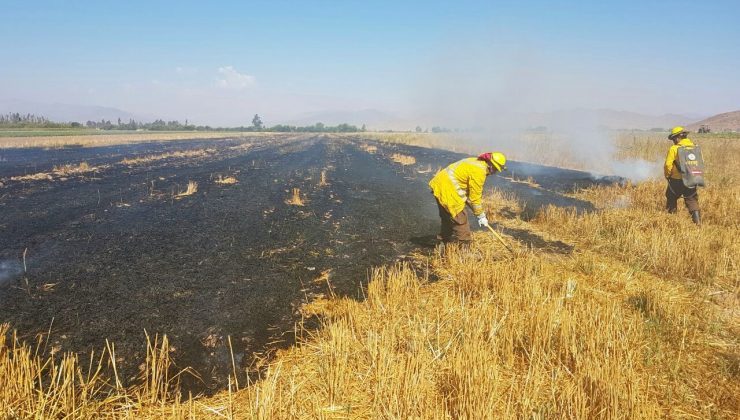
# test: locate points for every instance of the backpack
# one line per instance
(691, 165)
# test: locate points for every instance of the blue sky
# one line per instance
(214, 62)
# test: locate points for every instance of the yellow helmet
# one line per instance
(496, 159)
(676, 131)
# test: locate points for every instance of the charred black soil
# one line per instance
(112, 252)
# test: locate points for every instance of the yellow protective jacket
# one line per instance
(460, 183)
(670, 169)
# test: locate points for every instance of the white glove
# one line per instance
(482, 221)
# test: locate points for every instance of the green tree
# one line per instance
(257, 122)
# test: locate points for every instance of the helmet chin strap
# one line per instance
(491, 168)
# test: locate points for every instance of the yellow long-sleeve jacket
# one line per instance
(460, 183)
(670, 169)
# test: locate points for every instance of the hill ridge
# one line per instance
(726, 121)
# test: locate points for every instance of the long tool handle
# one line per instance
(500, 239)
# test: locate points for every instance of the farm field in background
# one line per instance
(47, 132)
(70, 138)
(603, 313)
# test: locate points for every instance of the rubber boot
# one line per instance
(696, 217)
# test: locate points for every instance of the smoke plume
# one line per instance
(507, 97)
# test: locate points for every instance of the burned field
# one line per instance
(205, 240)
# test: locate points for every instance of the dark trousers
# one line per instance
(454, 228)
(676, 190)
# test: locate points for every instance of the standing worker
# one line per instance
(459, 184)
(672, 169)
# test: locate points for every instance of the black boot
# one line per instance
(696, 217)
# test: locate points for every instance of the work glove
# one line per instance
(482, 220)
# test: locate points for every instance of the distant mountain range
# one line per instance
(728, 121)
(69, 112)
(610, 118)
(375, 119)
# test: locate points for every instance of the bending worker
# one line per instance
(676, 188)
(459, 184)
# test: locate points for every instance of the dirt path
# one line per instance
(112, 253)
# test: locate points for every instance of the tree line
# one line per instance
(17, 120)
(156, 125)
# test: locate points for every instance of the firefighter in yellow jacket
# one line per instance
(676, 188)
(459, 184)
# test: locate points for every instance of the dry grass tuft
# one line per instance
(244, 147)
(142, 160)
(37, 384)
(369, 148)
(528, 181)
(226, 180)
(33, 177)
(295, 198)
(190, 190)
(323, 182)
(69, 169)
(60, 172)
(403, 159)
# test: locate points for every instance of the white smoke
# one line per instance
(9, 269)
(594, 149)
(512, 99)
(636, 170)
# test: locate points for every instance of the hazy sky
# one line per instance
(221, 62)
